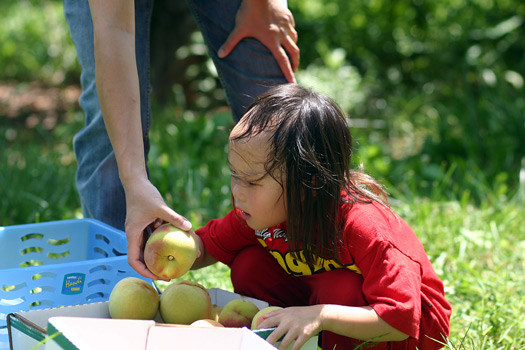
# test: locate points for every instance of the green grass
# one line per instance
(478, 252)
(476, 249)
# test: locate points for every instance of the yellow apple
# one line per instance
(258, 318)
(169, 252)
(133, 298)
(185, 302)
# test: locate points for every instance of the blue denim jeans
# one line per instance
(247, 72)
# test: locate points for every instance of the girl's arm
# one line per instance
(361, 323)
(301, 323)
(204, 259)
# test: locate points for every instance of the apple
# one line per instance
(169, 252)
(185, 302)
(258, 318)
(238, 313)
(133, 298)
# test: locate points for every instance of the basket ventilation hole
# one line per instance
(42, 289)
(117, 253)
(102, 238)
(31, 250)
(36, 290)
(31, 263)
(99, 268)
(14, 287)
(98, 295)
(58, 255)
(101, 251)
(12, 302)
(98, 281)
(59, 241)
(31, 236)
(48, 303)
(42, 275)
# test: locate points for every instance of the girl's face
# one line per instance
(257, 194)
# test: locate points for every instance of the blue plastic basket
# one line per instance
(58, 263)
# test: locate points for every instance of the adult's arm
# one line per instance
(118, 91)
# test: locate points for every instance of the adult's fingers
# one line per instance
(291, 48)
(135, 254)
(177, 220)
(284, 62)
(230, 43)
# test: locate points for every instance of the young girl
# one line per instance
(311, 235)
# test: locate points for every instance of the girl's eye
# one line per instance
(243, 182)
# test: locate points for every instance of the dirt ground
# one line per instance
(31, 104)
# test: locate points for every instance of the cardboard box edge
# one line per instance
(23, 325)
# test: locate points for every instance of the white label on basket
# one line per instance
(73, 283)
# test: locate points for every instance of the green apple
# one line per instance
(169, 252)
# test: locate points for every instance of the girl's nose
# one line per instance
(237, 190)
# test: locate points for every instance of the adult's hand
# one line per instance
(146, 208)
(270, 22)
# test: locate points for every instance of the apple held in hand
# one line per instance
(169, 252)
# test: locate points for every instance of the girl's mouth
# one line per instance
(245, 215)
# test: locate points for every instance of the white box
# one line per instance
(74, 327)
(77, 333)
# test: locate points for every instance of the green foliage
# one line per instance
(188, 162)
(444, 77)
(35, 44)
(442, 80)
(37, 181)
(415, 42)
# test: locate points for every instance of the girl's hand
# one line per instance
(294, 323)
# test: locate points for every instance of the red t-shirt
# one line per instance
(399, 281)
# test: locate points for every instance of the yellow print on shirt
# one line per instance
(297, 267)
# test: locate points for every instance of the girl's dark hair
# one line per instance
(310, 153)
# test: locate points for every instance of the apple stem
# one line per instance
(171, 257)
